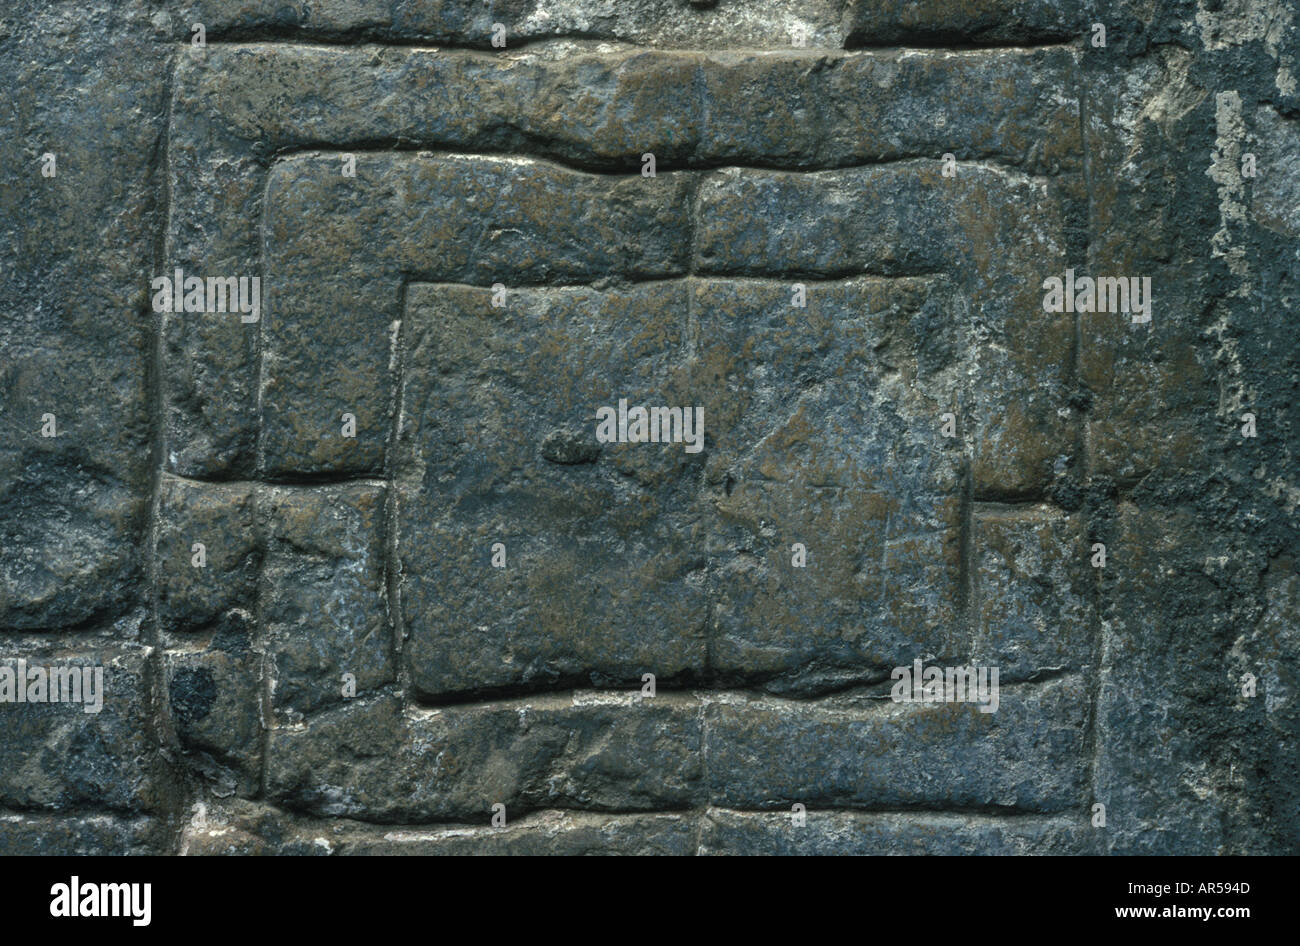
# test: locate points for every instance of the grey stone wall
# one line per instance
(918, 463)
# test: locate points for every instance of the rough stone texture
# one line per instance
(348, 672)
(194, 593)
(907, 22)
(234, 106)
(86, 85)
(379, 761)
(245, 828)
(824, 432)
(1153, 691)
(1035, 611)
(213, 687)
(563, 610)
(1027, 755)
(88, 835)
(470, 22)
(839, 833)
(58, 756)
(324, 601)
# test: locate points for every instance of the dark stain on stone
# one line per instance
(192, 692)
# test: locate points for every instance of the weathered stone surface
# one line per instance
(222, 519)
(1026, 756)
(821, 107)
(58, 755)
(1149, 387)
(342, 246)
(324, 594)
(851, 833)
(372, 760)
(887, 22)
(824, 432)
(52, 835)
(1272, 656)
(233, 106)
(214, 689)
(1036, 592)
(942, 449)
(781, 390)
(602, 559)
(998, 233)
(68, 533)
(84, 85)
(756, 23)
(567, 834)
(376, 761)
(1142, 381)
(1158, 786)
(1276, 196)
(247, 828)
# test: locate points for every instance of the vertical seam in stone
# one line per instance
(155, 682)
(693, 220)
(710, 597)
(1074, 235)
(967, 585)
(1092, 739)
(706, 782)
(1081, 92)
(260, 492)
(259, 340)
(392, 563)
(967, 589)
(266, 712)
(1099, 648)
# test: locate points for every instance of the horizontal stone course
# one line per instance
(607, 108)
(376, 761)
(373, 760)
(882, 22)
(81, 835)
(839, 833)
(251, 828)
(1029, 755)
(763, 23)
(245, 828)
